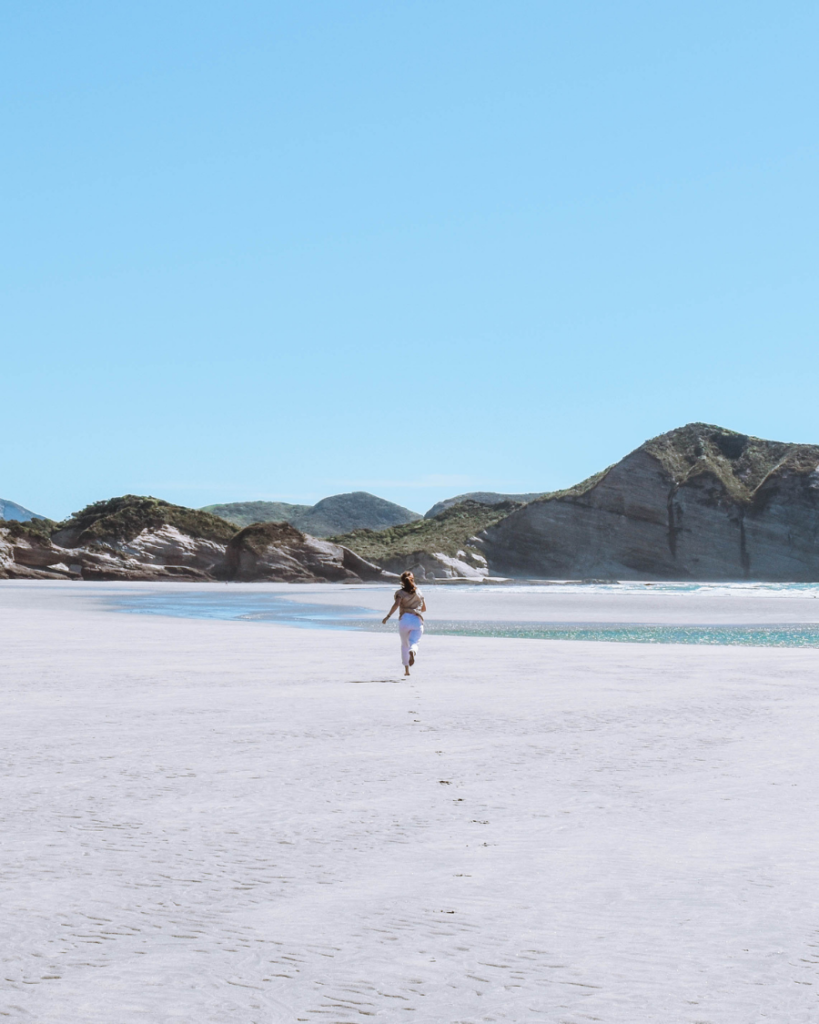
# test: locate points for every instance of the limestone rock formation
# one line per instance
(26, 551)
(136, 537)
(435, 565)
(697, 503)
(141, 538)
(280, 552)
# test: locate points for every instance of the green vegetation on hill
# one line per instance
(739, 461)
(357, 510)
(32, 529)
(446, 533)
(336, 514)
(482, 497)
(244, 513)
(576, 490)
(126, 517)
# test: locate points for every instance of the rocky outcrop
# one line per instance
(281, 553)
(698, 503)
(137, 538)
(142, 538)
(26, 552)
(435, 565)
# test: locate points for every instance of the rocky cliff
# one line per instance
(26, 551)
(697, 503)
(280, 552)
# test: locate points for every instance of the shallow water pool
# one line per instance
(273, 608)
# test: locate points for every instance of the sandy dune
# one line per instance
(208, 821)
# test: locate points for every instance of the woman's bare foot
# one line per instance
(406, 670)
(412, 658)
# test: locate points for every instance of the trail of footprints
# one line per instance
(183, 909)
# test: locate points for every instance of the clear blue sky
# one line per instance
(281, 250)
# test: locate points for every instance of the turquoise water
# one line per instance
(260, 607)
(635, 633)
(238, 605)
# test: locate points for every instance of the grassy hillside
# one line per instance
(739, 461)
(482, 497)
(447, 532)
(358, 510)
(35, 530)
(126, 517)
(336, 514)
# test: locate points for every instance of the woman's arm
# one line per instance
(423, 604)
(389, 613)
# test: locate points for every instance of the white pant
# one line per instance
(410, 629)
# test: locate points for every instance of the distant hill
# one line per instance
(482, 497)
(355, 511)
(13, 512)
(245, 513)
(339, 513)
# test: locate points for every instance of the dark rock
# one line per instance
(281, 553)
(366, 571)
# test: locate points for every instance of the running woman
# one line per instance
(410, 620)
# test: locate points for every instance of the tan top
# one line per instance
(409, 602)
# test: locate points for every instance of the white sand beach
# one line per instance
(246, 823)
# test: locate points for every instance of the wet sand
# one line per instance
(211, 821)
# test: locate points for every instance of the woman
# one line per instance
(410, 621)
